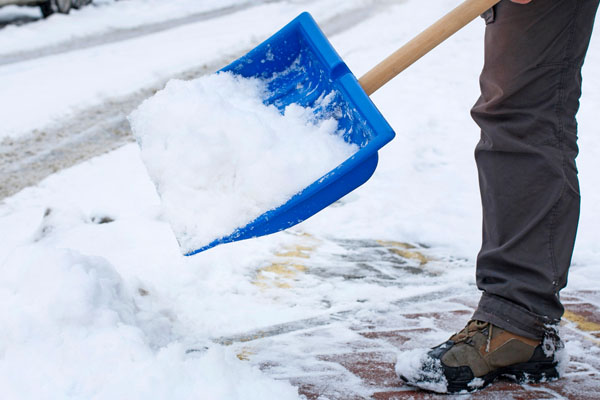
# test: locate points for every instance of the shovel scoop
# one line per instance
(300, 66)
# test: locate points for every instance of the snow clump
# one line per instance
(419, 369)
(220, 157)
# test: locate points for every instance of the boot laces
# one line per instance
(471, 329)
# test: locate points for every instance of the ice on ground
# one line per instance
(220, 158)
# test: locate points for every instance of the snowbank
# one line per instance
(73, 329)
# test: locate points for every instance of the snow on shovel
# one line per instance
(261, 154)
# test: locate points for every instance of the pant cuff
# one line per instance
(512, 317)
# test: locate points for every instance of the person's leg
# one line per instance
(530, 85)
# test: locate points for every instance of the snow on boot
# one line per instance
(476, 356)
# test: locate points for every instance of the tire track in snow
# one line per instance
(27, 160)
(120, 35)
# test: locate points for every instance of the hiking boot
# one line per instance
(474, 357)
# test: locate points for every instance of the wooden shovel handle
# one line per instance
(405, 56)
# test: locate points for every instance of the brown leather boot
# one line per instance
(474, 357)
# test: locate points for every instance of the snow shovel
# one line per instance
(300, 66)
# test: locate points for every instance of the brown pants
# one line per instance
(530, 89)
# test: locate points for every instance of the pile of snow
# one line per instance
(220, 158)
(71, 328)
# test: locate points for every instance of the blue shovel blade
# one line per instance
(300, 66)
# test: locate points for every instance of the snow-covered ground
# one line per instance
(100, 17)
(59, 86)
(96, 300)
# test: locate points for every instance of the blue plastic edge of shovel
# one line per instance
(302, 41)
(301, 66)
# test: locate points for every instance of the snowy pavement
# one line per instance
(97, 302)
(351, 353)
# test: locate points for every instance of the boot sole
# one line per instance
(521, 373)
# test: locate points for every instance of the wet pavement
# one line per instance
(350, 352)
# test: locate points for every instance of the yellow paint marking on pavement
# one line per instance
(285, 270)
(412, 255)
(245, 354)
(581, 321)
(405, 250)
(278, 275)
(281, 273)
(583, 324)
